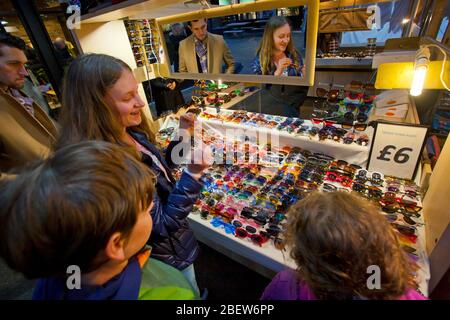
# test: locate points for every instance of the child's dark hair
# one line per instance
(63, 211)
(11, 41)
(334, 237)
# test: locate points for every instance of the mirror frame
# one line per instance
(312, 28)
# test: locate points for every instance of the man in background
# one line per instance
(204, 52)
(62, 52)
(176, 35)
(26, 131)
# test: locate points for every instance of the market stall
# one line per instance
(242, 208)
(256, 193)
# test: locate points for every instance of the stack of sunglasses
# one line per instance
(342, 54)
(251, 200)
(356, 105)
(134, 35)
(317, 128)
(144, 40)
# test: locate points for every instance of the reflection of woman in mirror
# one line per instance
(277, 54)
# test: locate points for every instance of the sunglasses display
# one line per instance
(319, 129)
(250, 200)
(144, 41)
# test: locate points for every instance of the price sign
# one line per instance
(396, 149)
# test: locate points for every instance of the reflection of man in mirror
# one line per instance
(328, 42)
(204, 52)
(177, 34)
(277, 54)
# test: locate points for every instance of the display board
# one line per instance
(396, 149)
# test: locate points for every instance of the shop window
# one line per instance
(391, 25)
(442, 29)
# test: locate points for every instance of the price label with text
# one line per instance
(396, 149)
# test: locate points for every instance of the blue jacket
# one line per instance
(124, 286)
(172, 239)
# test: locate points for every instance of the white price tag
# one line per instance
(396, 149)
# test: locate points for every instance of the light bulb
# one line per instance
(418, 79)
(420, 70)
(405, 20)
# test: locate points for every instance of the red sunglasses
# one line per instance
(258, 239)
(324, 121)
(336, 177)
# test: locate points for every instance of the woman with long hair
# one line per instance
(276, 54)
(101, 102)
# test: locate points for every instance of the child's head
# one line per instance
(86, 205)
(334, 237)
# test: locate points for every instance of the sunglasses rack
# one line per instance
(144, 41)
(319, 134)
(250, 188)
(250, 201)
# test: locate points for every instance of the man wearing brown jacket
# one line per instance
(26, 131)
(204, 52)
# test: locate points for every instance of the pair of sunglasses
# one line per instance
(392, 204)
(403, 218)
(412, 193)
(343, 165)
(218, 223)
(328, 187)
(370, 192)
(405, 230)
(258, 239)
(331, 95)
(358, 126)
(336, 177)
(325, 121)
(317, 161)
(249, 225)
(305, 185)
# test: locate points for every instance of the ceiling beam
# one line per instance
(333, 4)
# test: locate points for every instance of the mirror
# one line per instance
(267, 41)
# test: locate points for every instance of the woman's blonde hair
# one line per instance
(85, 114)
(334, 237)
(266, 46)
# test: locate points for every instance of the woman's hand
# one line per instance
(187, 121)
(283, 63)
(201, 159)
